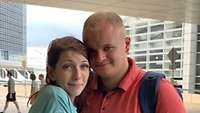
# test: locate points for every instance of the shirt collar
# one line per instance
(133, 72)
(131, 76)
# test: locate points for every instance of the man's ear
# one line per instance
(128, 44)
(50, 72)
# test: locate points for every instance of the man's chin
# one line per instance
(102, 72)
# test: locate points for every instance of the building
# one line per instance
(12, 34)
(152, 40)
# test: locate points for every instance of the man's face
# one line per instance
(107, 49)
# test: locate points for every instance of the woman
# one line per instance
(67, 75)
(34, 87)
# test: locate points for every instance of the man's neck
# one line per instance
(107, 84)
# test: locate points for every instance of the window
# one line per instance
(173, 34)
(141, 30)
(156, 36)
(2, 73)
(140, 58)
(4, 55)
(198, 58)
(156, 51)
(197, 87)
(197, 80)
(197, 70)
(171, 43)
(198, 37)
(155, 66)
(157, 28)
(140, 46)
(173, 25)
(156, 57)
(140, 38)
(178, 65)
(198, 27)
(177, 33)
(140, 52)
(198, 46)
(155, 44)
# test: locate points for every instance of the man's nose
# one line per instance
(100, 56)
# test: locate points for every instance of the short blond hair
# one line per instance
(97, 17)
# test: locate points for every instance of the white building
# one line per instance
(12, 38)
(12, 33)
(153, 39)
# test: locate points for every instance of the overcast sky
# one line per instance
(45, 24)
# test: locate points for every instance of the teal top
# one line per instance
(52, 99)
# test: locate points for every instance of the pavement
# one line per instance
(11, 107)
(191, 107)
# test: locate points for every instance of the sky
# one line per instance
(46, 23)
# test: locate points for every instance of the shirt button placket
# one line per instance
(104, 104)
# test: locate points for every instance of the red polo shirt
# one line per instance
(124, 99)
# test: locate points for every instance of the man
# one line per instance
(11, 96)
(115, 86)
(42, 81)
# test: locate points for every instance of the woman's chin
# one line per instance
(75, 93)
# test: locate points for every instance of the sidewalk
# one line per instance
(191, 107)
(11, 107)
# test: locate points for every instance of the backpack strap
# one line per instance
(149, 91)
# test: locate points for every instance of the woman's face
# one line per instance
(71, 72)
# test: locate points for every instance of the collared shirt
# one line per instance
(52, 99)
(125, 98)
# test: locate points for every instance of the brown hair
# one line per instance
(58, 46)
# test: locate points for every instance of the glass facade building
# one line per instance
(152, 40)
(12, 33)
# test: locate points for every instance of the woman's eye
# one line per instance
(85, 66)
(67, 66)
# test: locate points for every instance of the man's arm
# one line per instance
(169, 100)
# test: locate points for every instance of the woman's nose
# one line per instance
(77, 73)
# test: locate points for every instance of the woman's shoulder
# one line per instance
(54, 98)
(53, 91)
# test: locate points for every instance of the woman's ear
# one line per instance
(51, 74)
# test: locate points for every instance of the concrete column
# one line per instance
(189, 59)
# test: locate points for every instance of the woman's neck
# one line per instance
(72, 98)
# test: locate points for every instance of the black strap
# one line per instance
(149, 91)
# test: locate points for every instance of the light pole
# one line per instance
(24, 68)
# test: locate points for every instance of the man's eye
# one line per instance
(108, 48)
